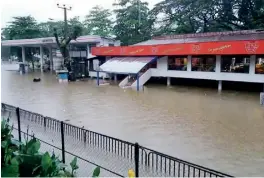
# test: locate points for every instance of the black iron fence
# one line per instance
(113, 155)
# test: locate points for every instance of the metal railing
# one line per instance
(144, 161)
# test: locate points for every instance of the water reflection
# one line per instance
(224, 132)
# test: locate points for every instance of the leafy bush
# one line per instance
(24, 159)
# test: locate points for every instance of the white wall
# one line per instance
(162, 71)
(101, 74)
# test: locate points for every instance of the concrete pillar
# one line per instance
(51, 58)
(115, 77)
(189, 63)
(218, 64)
(168, 81)
(219, 85)
(252, 64)
(41, 58)
(23, 54)
(138, 82)
(97, 78)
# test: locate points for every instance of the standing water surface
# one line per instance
(223, 132)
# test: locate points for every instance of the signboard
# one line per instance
(205, 48)
(47, 40)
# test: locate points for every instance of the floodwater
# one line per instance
(220, 131)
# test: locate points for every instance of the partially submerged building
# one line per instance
(80, 51)
(221, 56)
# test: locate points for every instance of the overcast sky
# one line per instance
(42, 10)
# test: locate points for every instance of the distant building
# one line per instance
(80, 49)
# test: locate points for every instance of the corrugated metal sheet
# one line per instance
(210, 34)
(130, 65)
(228, 37)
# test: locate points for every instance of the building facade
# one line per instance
(80, 50)
(223, 56)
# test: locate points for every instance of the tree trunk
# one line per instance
(33, 67)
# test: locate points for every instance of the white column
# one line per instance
(218, 64)
(252, 65)
(41, 58)
(23, 54)
(88, 51)
(168, 81)
(51, 58)
(219, 85)
(189, 63)
(115, 77)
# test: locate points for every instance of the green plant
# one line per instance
(96, 172)
(25, 160)
(9, 163)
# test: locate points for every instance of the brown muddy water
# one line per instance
(220, 131)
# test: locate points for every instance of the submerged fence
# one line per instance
(114, 156)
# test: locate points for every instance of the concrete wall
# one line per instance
(103, 42)
(162, 71)
(93, 74)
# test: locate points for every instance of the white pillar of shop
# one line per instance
(115, 77)
(41, 58)
(218, 64)
(168, 81)
(220, 85)
(252, 65)
(51, 58)
(23, 54)
(218, 70)
(189, 63)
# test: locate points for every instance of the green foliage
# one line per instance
(96, 172)
(25, 159)
(24, 27)
(98, 22)
(133, 22)
(193, 16)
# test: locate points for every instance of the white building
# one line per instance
(222, 56)
(79, 48)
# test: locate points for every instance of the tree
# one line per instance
(47, 28)
(63, 41)
(133, 23)
(99, 22)
(194, 16)
(24, 27)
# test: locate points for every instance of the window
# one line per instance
(235, 64)
(90, 47)
(259, 65)
(203, 63)
(177, 63)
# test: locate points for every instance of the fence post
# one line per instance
(45, 123)
(84, 136)
(18, 123)
(136, 159)
(62, 142)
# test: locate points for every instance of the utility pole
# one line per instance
(65, 19)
